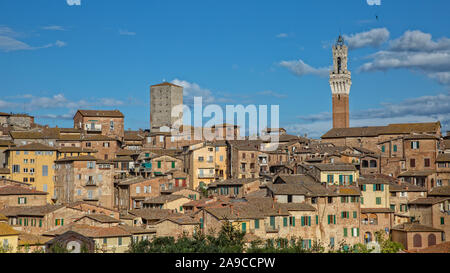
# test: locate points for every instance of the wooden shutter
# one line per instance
(293, 221)
(345, 232)
(329, 219)
(317, 219)
(374, 187)
(382, 187)
(285, 221)
(309, 220)
(334, 219)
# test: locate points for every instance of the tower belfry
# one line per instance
(340, 83)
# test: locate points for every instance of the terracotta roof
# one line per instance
(4, 114)
(163, 199)
(101, 113)
(6, 143)
(428, 200)
(70, 138)
(123, 159)
(440, 191)
(415, 227)
(287, 189)
(166, 84)
(373, 131)
(49, 133)
(126, 152)
(152, 214)
(69, 130)
(417, 173)
(376, 210)
(30, 210)
(443, 158)
(133, 136)
(440, 248)
(134, 180)
(97, 138)
(77, 158)
(75, 150)
(7, 230)
(295, 178)
(19, 190)
(33, 147)
(102, 218)
(372, 180)
(4, 171)
(233, 182)
(405, 187)
(335, 167)
(181, 220)
(27, 239)
(3, 217)
(91, 231)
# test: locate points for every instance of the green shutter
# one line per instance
(309, 220)
(355, 214)
(173, 164)
(357, 232)
(62, 222)
(351, 179)
(40, 222)
(378, 200)
(303, 221)
(442, 220)
(201, 223)
(159, 164)
(418, 145)
(257, 224)
(285, 221)
(383, 149)
(244, 226)
(382, 187)
(395, 148)
(293, 221)
(345, 232)
(56, 222)
(329, 219)
(374, 187)
(317, 219)
(342, 215)
(310, 244)
(362, 200)
(341, 178)
(364, 187)
(334, 219)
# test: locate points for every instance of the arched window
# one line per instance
(431, 240)
(339, 64)
(417, 240)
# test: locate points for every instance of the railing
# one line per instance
(91, 184)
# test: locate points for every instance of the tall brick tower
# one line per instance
(163, 98)
(340, 83)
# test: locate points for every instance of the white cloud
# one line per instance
(126, 33)
(300, 68)
(56, 28)
(417, 40)
(8, 44)
(282, 35)
(73, 2)
(416, 51)
(373, 38)
(271, 93)
(191, 90)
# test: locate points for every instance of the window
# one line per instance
(412, 163)
(201, 159)
(88, 144)
(415, 145)
(16, 168)
(330, 200)
(120, 241)
(45, 187)
(221, 158)
(91, 165)
(383, 149)
(111, 125)
(257, 224)
(332, 242)
(362, 200)
(105, 241)
(292, 221)
(330, 178)
(395, 148)
(355, 214)
(427, 162)
(417, 240)
(138, 190)
(442, 221)
(378, 200)
(314, 200)
(106, 144)
(345, 214)
(22, 200)
(345, 232)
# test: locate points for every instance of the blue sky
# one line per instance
(56, 58)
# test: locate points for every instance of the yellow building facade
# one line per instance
(9, 238)
(33, 164)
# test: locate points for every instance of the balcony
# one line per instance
(90, 184)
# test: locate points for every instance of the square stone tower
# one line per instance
(163, 98)
(340, 83)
